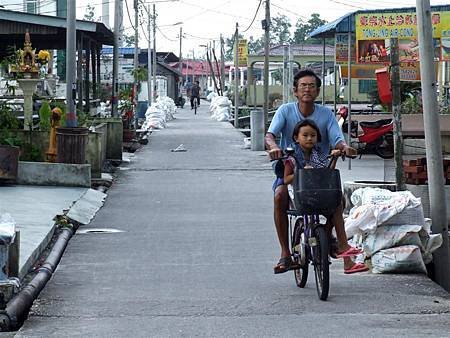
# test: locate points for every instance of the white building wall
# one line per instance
(44, 7)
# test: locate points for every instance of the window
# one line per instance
(31, 6)
(367, 86)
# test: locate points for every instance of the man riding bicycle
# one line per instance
(195, 94)
(306, 88)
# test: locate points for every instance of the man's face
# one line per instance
(307, 89)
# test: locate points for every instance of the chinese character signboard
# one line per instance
(374, 30)
(242, 53)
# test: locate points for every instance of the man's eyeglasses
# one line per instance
(307, 85)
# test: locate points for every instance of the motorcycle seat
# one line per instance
(375, 124)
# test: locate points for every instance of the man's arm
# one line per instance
(273, 149)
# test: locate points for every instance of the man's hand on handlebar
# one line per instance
(275, 153)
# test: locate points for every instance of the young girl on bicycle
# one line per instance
(308, 155)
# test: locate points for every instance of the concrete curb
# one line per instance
(59, 174)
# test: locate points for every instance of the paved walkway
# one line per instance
(196, 251)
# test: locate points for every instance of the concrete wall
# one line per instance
(45, 173)
(329, 94)
(96, 149)
(114, 136)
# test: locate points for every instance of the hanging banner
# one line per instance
(341, 48)
(242, 52)
(374, 30)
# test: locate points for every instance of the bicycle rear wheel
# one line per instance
(299, 254)
(321, 263)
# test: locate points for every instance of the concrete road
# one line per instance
(196, 254)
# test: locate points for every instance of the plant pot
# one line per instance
(71, 145)
(9, 162)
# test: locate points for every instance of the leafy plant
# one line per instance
(8, 119)
(31, 152)
(8, 138)
(45, 113)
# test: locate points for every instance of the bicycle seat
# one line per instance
(375, 124)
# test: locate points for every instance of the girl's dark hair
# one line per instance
(306, 72)
(303, 123)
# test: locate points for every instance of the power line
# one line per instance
(254, 17)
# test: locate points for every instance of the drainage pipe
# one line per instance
(17, 308)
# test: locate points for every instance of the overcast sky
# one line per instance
(205, 20)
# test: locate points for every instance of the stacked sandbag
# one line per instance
(392, 230)
(159, 113)
(220, 108)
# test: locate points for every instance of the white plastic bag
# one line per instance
(7, 229)
(400, 259)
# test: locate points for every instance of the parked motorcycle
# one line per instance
(376, 137)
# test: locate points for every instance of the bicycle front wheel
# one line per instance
(321, 263)
(298, 250)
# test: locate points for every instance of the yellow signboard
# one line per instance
(373, 31)
(242, 52)
(400, 25)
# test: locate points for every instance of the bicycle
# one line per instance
(195, 106)
(315, 192)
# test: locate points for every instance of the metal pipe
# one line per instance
(433, 142)
(17, 308)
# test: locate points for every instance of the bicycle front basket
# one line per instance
(317, 191)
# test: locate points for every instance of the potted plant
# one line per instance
(126, 111)
(9, 144)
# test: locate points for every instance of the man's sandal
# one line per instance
(350, 252)
(357, 267)
(285, 264)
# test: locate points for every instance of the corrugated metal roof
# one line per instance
(346, 23)
(46, 30)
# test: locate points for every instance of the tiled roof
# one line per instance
(302, 50)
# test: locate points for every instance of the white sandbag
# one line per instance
(211, 96)
(401, 259)
(411, 214)
(375, 206)
(222, 101)
(388, 236)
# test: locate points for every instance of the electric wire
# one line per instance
(254, 17)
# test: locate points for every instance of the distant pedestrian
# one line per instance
(195, 94)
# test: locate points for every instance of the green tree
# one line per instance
(128, 40)
(302, 29)
(280, 30)
(255, 45)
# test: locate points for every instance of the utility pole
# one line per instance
(149, 59)
(396, 109)
(285, 74)
(266, 26)
(136, 61)
(222, 65)
(71, 84)
(117, 33)
(236, 77)
(180, 66)
(154, 52)
(441, 257)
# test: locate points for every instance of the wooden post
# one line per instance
(396, 110)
